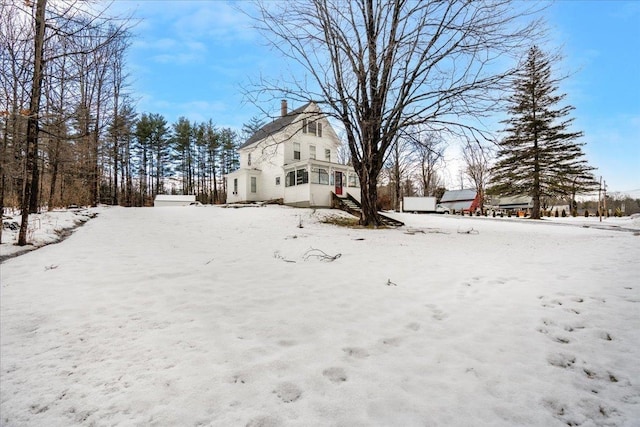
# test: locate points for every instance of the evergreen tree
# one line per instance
(183, 140)
(212, 140)
(540, 156)
(152, 136)
(251, 127)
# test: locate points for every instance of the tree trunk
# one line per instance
(3, 172)
(32, 121)
(55, 161)
(35, 180)
(116, 160)
(368, 201)
(396, 187)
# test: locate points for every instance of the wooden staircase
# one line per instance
(351, 205)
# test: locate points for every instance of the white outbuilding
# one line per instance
(164, 200)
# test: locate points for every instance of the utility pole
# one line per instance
(600, 199)
(606, 213)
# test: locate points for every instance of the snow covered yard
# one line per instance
(44, 228)
(201, 316)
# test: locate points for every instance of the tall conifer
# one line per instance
(540, 156)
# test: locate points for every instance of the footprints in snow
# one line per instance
(356, 352)
(479, 283)
(569, 304)
(436, 313)
(288, 392)
(593, 378)
(335, 375)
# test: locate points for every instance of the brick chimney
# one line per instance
(283, 107)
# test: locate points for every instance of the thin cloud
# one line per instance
(216, 20)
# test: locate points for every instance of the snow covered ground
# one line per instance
(202, 316)
(44, 228)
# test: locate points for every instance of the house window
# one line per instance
(312, 152)
(254, 184)
(297, 177)
(291, 179)
(319, 176)
(302, 176)
(327, 155)
(296, 151)
(353, 180)
(235, 185)
(277, 180)
(249, 160)
(311, 127)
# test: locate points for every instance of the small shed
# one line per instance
(461, 200)
(164, 200)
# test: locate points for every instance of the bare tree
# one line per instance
(32, 120)
(57, 30)
(477, 159)
(381, 66)
(400, 162)
(429, 155)
(16, 60)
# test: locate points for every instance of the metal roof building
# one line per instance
(460, 200)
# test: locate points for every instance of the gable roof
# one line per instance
(458, 195)
(275, 126)
(515, 202)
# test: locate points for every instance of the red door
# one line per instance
(338, 183)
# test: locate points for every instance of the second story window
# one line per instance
(312, 152)
(296, 151)
(249, 160)
(327, 155)
(311, 127)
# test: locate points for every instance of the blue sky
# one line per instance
(193, 58)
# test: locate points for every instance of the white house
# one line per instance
(163, 200)
(293, 158)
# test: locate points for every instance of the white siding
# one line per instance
(297, 195)
(272, 157)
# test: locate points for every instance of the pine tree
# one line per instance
(251, 127)
(152, 136)
(183, 141)
(540, 156)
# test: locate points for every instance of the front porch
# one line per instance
(311, 183)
